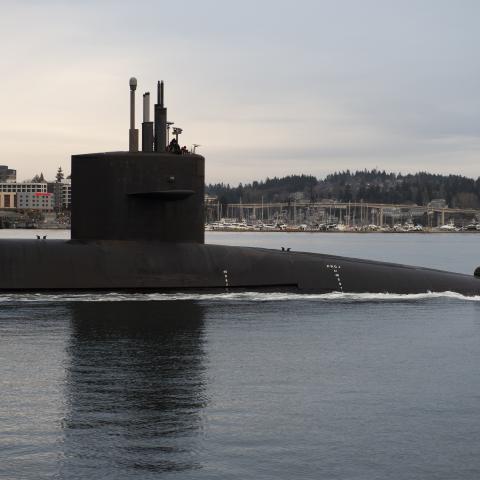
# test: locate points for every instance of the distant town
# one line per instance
(363, 201)
(34, 203)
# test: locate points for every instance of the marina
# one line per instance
(338, 216)
(233, 225)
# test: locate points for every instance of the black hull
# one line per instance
(142, 265)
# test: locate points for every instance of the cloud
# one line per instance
(268, 88)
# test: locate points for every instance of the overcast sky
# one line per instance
(268, 88)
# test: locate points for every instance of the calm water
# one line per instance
(247, 386)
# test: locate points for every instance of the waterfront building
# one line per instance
(62, 192)
(35, 201)
(67, 194)
(298, 196)
(7, 174)
(438, 203)
(27, 187)
(210, 199)
(8, 200)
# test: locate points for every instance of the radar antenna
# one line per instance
(177, 131)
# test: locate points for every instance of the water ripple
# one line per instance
(244, 296)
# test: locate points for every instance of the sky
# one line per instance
(267, 88)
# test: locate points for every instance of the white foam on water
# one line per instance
(231, 297)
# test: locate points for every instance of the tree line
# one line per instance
(39, 178)
(372, 186)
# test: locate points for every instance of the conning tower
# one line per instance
(151, 194)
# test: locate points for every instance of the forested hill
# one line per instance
(369, 186)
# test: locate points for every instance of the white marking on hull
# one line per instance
(336, 274)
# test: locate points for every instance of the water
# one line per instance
(457, 252)
(247, 385)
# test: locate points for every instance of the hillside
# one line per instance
(369, 186)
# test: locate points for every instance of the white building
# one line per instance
(438, 203)
(35, 201)
(66, 194)
(23, 187)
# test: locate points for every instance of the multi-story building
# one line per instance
(27, 187)
(8, 200)
(438, 203)
(35, 201)
(62, 192)
(67, 194)
(210, 199)
(7, 174)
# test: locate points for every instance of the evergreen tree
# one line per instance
(38, 178)
(59, 177)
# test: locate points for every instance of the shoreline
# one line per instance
(424, 232)
(289, 230)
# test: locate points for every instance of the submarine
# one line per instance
(138, 224)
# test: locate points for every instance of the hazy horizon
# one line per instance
(267, 88)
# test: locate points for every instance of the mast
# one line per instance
(160, 120)
(133, 132)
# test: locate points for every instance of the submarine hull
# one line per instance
(141, 265)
